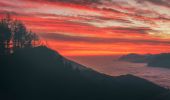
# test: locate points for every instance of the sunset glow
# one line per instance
(96, 27)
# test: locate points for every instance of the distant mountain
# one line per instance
(160, 60)
(136, 58)
(43, 74)
(156, 60)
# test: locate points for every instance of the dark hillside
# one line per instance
(42, 74)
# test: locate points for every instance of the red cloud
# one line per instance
(124, 28)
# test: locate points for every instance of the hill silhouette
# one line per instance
(136, 58)
(155, 60)
(160, 60)
(43, 74)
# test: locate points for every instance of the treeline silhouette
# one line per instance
(14, 35)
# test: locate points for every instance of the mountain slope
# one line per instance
(42, 74)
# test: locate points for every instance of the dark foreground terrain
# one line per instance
(42, 74)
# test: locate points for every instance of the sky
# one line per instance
(96, 27)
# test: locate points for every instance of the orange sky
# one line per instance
(96, 27)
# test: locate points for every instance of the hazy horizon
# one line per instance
(110, 65)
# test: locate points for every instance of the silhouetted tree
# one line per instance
(14, 35)
(20, 33)
(30, 39)
(5, 35)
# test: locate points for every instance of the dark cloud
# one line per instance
(157, 2)
(79, 1)
(160, 2)
(82, 2)
(105, 18)
(7, 5)
(139, 30)
(62, 37)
